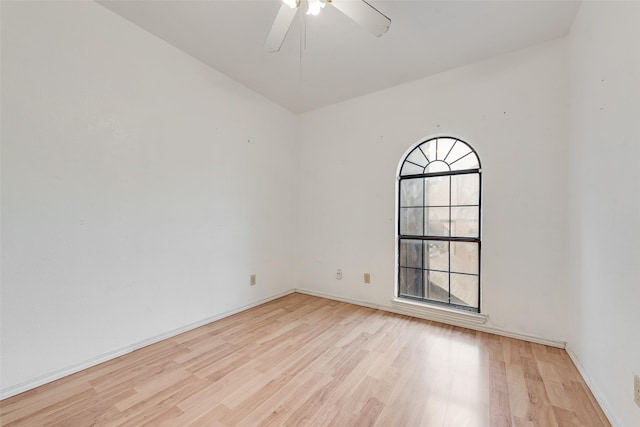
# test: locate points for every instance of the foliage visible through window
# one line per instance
(439, 224)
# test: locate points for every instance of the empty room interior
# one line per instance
(340, 212)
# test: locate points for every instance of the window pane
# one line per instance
(436, 191)
(417, 157)
(429, 148)
(436, 222)
(464, 221)
(437, 285)
(464, 290)
(411, 221)
(444, 146)
(410, 282)
(465, 189)
(464, 257)
(411, 169)
(410, 253)
(437, 166)
(469, 161)
(436, 255)
(411, 192)
(459, 150)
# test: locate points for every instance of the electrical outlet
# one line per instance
(252, 280)
(367, 278)
(636, 389)
(338, 274)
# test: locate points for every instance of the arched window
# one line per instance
(438, 240)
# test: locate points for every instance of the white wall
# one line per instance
(604, 203)
(140, 189)
(513, 110)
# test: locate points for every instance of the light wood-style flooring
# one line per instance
(307, 361)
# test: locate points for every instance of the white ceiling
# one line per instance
(341, 60)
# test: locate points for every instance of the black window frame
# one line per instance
(432, 237)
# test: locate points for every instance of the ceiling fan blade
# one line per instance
(281, 25)
(364, 14)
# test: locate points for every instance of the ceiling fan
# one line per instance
(359, 11)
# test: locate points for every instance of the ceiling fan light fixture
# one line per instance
(315, 6)
(359, 11)
(292, 3)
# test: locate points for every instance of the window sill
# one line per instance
(441, 314)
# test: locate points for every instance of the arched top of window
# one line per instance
(437, 155)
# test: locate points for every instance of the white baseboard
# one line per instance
(336, 298)
(56, 375)
(444, 317)
(408, 311)
(47, 378)
(602, 401)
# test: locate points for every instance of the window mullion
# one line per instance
(424, 208)
(449, 244)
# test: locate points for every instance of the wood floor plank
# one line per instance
(303, 360)
(519, 402)
(277, 407)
